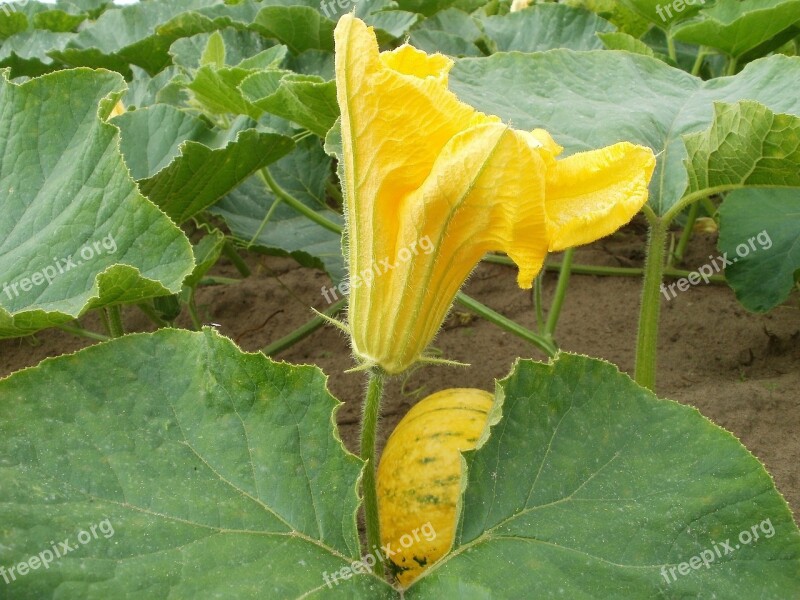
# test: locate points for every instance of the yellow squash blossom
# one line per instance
(432, 185)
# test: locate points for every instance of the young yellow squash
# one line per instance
(420, 473)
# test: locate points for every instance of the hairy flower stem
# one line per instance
(369, 429)
(650, 310)
(112, 318)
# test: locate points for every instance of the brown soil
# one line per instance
(739, 369)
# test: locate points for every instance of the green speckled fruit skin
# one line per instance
(420, 472)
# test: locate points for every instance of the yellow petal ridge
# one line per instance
(407, 60)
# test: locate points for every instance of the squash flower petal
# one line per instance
(431, 185)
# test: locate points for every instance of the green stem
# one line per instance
(709, 206)
(688, 229)
(671, 48)
(604, 271)
(369, 429)
(650, 310)
(113, 320)
(303, 331)
(192, 306)
(696, 196)
(539, 302)
(212, 280)
(698, 62)
(545, 345)
(561, 290)
(80, 331)
(299, 137)
(730, 69)
(304, 210)
(231, 254)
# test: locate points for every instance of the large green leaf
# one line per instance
(76, 233)
(737, 27)
(760, 233)
(591, 487)
(264, 224)
(185, 166)
(205, 472)
(592, 99)
(546, 26)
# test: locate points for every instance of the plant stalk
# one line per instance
(650, 310)
(304, 210)
(604, 271)
(538, 302)
(112, 317)
(369, 429)
(683, 243)
(80, 331)
(231, 254)
(303, 331)
(545, 345)
(561, 291)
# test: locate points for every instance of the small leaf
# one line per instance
(299, 27)
(615, 40)
(746, 145)
(214, 52)
(738, 27)
(759, 232)
(302, 99)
